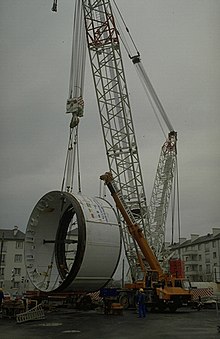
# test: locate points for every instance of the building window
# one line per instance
(200, 268)
(213, 244)
(18, 258)
(17, 271)
(214, 255)
(16, 284)
(207, 257)
(194, 267)
(206, 246)
(19, 244)
(200, 257)
(208, 269)
(199, 247)
(3, 259)
(4, 249)
(2, 273)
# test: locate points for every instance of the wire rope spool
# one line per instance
(73, 243)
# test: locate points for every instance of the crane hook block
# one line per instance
(75, 106)
(54, 7)
(136, 58)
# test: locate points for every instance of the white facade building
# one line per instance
(12, 267)
(201, 256)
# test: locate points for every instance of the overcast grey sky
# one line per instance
(180, 48)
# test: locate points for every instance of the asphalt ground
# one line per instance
(66, 324)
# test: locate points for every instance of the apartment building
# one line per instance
(201, 256)
(12, 267)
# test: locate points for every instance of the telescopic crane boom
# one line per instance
(133, 227)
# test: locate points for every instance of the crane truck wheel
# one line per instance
(124, 300)
(162, 306)
(173, 307)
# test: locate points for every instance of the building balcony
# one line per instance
(191, 272)
(191, 262)
(188, 252)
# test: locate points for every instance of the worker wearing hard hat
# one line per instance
(141, 301)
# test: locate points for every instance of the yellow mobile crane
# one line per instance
(162, 290)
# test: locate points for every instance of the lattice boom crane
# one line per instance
(118, 128)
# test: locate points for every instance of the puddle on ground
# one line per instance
(50, 324)
(71, 331)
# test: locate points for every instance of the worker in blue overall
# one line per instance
(141, 301)
(1, 297)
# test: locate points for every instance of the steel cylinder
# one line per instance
(72, 243)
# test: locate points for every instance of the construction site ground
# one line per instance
(65, 324)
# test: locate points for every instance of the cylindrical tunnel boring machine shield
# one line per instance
(73, 243)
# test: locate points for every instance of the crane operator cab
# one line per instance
(183, 283)
(152, 279)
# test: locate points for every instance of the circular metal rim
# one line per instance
(60, 247)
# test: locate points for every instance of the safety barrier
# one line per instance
(36, 313)
(202, 292)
